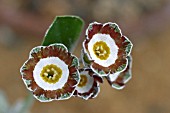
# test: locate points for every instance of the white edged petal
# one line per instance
(42, 98)
(116, 86)
(97, 91)
(115, 26)
(128, 74)
(35, 50)
(113, 77)
(85, 51)
(128, 47)
(123, 67)
(91, 27)
(100, 73)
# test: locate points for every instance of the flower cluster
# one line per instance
(53, 73)
(107, 52)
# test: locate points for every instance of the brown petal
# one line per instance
(28, 75)
(116, 36)
(72, 69)
(94, 30)
(66, 57)
(121, 53)
(45, 52)
(68, 61)
(123, 77)
(99, 67)
(97, 78)
(67, 88)
(71, 81)
(119, 62)
(33, 85)
(39, 91)
(58, 93)
(27, 69)
(119, 81)
(50, 94)
(106, 29)
(91, 93)
(113, 68)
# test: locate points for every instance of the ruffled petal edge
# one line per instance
(123, 77)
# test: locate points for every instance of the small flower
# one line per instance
(51, 72)
(88, 86)
(105, 49)
(119, 79)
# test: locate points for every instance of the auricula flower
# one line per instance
(51, 73)
(105, 49)
(119, 79)
(88, 86)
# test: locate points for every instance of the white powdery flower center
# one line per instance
(48, 61)
(88, 85)
(110, 43)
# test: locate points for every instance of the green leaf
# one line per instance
(65, 30)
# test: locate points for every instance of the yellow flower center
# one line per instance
(51, 73)
(101, 50)
(83, 80)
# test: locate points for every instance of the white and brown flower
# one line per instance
(88, 86)
(105, 49)
(119, 79)
(51, 72)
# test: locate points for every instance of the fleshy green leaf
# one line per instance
(65, 30)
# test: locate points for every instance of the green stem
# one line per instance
(28, 102)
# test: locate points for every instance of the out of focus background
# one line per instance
(147, 24)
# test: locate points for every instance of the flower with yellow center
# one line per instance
(83, 81)
(101, 50)
(51, 72)
(119, 79)
(105, 49)
(88, 86)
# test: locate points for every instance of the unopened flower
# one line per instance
(51, 72)
(119, 79)
(105, 49)
(88, 86)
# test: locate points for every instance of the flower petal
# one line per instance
(93, 28)
(41, 56)
(110, 28)
(27, 72)
(119, 79)
(119, 44)
(90, 88)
